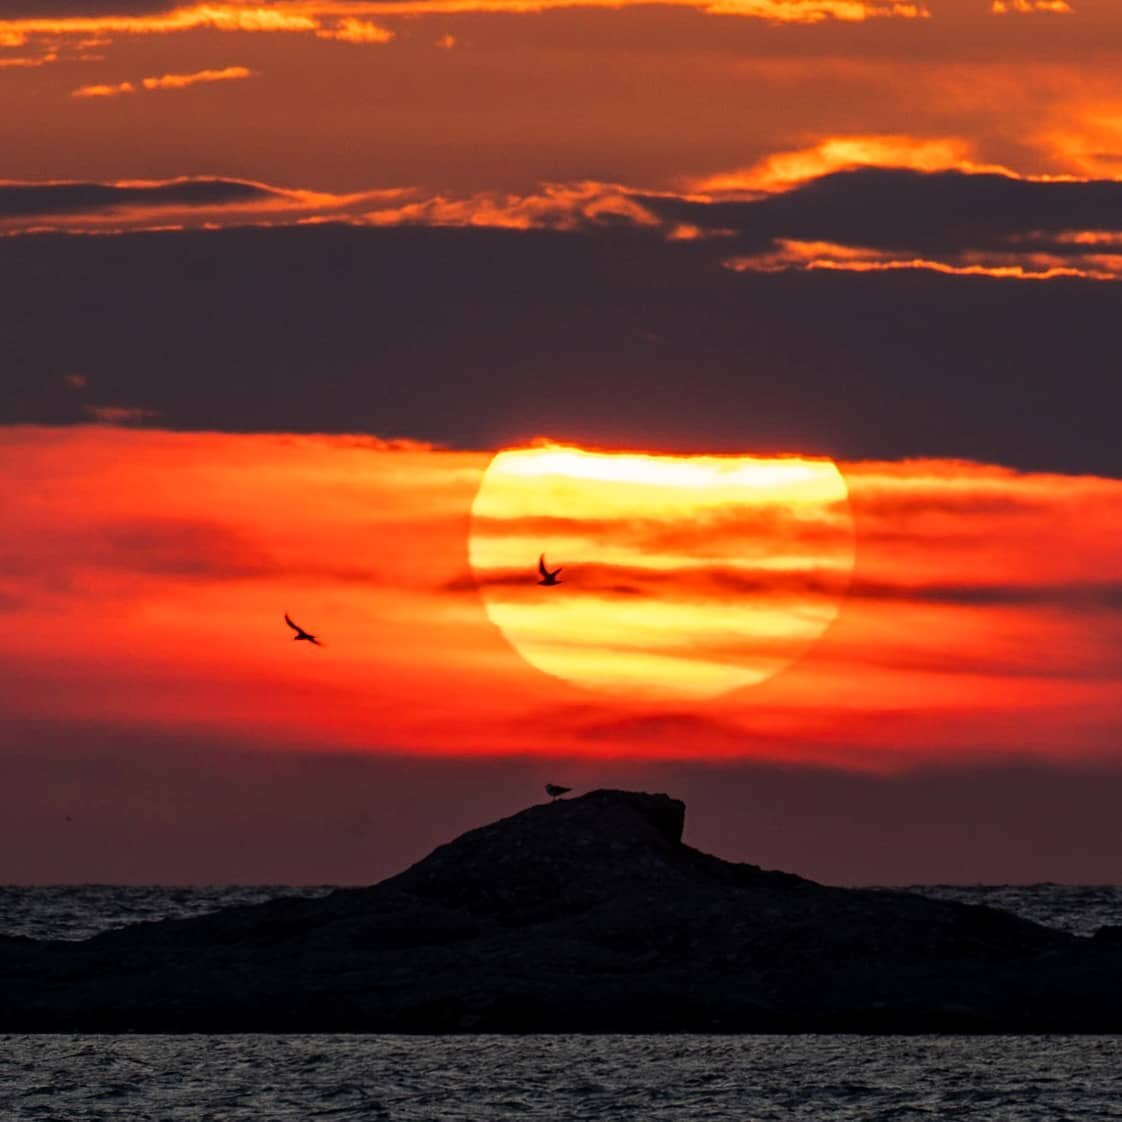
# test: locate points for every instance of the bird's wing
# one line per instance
(541, 566)
(313, 639)
(291, 624)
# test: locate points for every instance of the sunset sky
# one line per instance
(790, 329)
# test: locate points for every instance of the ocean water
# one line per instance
(261, 1078)
(560, 1078)
(79, 911)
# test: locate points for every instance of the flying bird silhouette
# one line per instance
(547, 576)
(553, 791)
(300, 632)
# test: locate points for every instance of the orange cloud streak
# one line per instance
(165, 82)
(356, 31)
(784, 170)
(985, 613)
(182, 81)
(103, 90)
(146, 205)
(348, 20)
(1027, 7)
(793, 255)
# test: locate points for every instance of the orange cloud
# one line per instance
(182, 81)
(783, 170)
(985, 613)
(356, 31)
(187, 202)
(101, 90)
(28, 62)
(349, 20)
(557, 206)
(792, 255)
(1086, 136)
(1033, 231)
(165, 82)
(1027, 7)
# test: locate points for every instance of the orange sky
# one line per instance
(478, 95)
(146, 573)
(871, 229)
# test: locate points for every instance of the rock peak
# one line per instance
(554, 855)
(665, 815)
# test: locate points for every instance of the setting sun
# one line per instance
(684, 576)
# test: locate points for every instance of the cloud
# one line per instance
(606, 582)
(642, 342)
(28, 61)
(1027, 7)
(783, 170)
(182, 81)
(878, 219)
(862, 220)
(165, 82)
(58, 21)
(356, 31)
(35, 200)
(120, 414)
(102, 90)
(105, 207)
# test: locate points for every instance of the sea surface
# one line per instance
(606, 1078)
(261, 1078)
(79, 911)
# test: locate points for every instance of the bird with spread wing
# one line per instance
(300, 632)
(548, 576)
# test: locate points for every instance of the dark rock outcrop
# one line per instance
(587, 914)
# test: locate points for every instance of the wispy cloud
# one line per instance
(22, 62)
(165, 82)
(784, 170)
(353, 21)
(959, 223)
(120, 414)
(96, 207)
(101, 89)
(1028, 7)
(356, 31)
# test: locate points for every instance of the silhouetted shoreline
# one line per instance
(584, 915)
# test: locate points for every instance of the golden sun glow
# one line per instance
(682, 576)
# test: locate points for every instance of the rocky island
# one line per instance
(583, 915)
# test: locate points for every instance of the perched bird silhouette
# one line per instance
(547, 576)
(553, 791)
(300, 632)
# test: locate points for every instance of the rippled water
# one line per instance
(608, 1078)
(79, 911)
(1079, 908)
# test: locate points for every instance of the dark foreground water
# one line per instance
(607, 1078)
